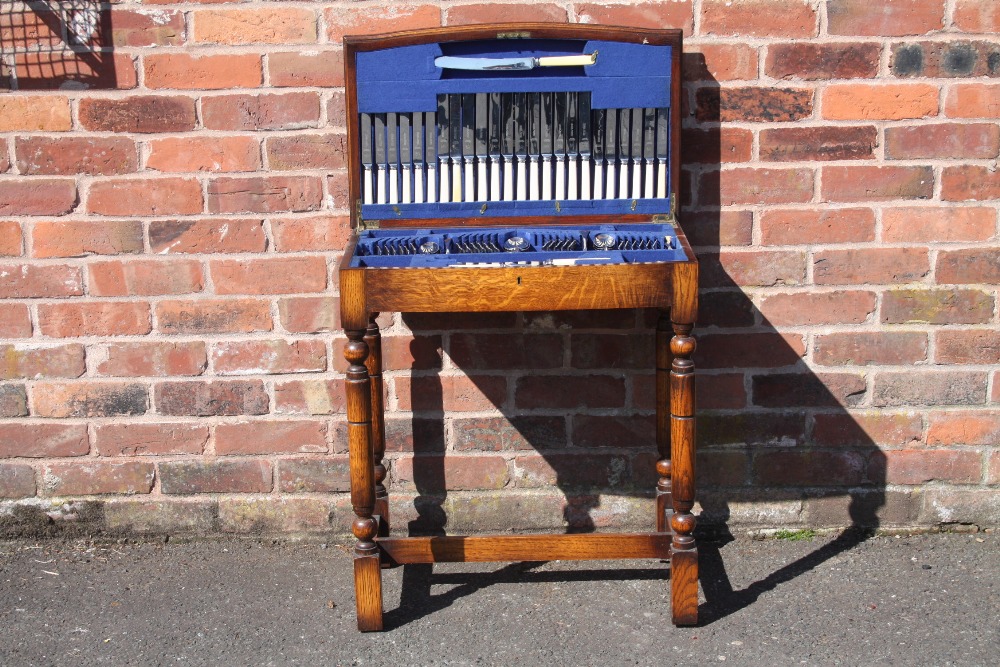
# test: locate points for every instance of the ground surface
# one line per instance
(921, 600)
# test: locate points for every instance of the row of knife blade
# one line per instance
(481, 147)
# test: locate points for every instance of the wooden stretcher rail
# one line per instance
(495, 548)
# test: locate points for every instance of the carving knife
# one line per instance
(521, 63)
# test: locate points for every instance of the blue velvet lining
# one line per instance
(405, 78)
(448, 241)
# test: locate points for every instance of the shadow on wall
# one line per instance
(777, 445)
(56, 44)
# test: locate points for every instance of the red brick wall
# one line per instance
(172, 210)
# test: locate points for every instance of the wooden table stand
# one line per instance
(670, 287)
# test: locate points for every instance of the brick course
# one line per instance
(169, 311)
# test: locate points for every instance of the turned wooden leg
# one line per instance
(373, 338)
(367, 568)
(663, 359)
(684, 557)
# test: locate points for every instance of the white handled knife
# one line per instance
(461, 62)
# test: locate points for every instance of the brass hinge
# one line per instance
(362, 223)
(668, 218)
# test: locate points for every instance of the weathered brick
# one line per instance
(343, 20)
(915, 388)
(64, 69)
(38, 196)
(143, 27)
(213, 316)
(812, 308)
(210, 235)
(753, 350)
(185, 71)
(435, 473)
(310, 397)
(972, 266)
(572, 471)
(730, 308)
(215, 476)
(307, 151)
(748, 186)
(275, 515)
(936, 306)
(89, 399)
(860, 17)
(34, 361)
(718, 468)
(993, 468)
(15, 320)
(155, 517)
(158, 439)
(310, 314)
(719, 62)
(919, 466)
(11, 244)
(968, 346)
(314, 475)
(973, 100)
(875, 266)
(144, 277)
(40, 440)
(271, 437)
(336, 110)
(640, 14)
(75, 155)
(138, 113)
(854, 429)
(821, 62)
(451, 393)
(506, 351)
(280, 275)
(977, 16)
(186, 154)
(612, 350)
(944, 140)
(871, 508)
(753, 428)
(265, 194)
(497, 13)
(411, 434)
(494, 434)
(569, 391)
(268, 357)
(316, 233)
(26, 281)
(879, 101)
(99, 477)
(13, 400)
(759, 18)
(716, 145)
(613, 430)
(270, 25)
(719, 228)
(28, 113)
(149, 359)
(145, 196)
(963, 428)
(827, 225)
(85, 237)
(561, 319)
(938, 224)
(969, 183)
(865, 183)
(951, 59)
(950, 505)
(818, 143)
(209, 399)
(63, 320)
(310, 68)
(752, 104)
(755, 268)
(785, 390)
(16, 480)
(859, 349)
(809, 468)
(288, 111)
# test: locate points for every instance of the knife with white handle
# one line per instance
(481, 64)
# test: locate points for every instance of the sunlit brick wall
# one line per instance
(173, 207)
